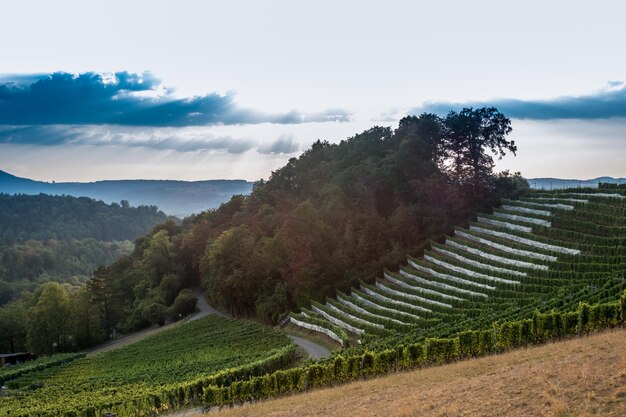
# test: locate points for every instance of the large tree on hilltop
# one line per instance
(469, 139)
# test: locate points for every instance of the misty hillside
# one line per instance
(560, 183)
(177, 198)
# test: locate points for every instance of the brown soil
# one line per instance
(582, 377)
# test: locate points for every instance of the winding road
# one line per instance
(316, 351)
(204, 309)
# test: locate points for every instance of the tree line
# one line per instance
(50, 247)
(338, 213)
(63, 238)
(42, 217)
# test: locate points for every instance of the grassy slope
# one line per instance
(582, 377)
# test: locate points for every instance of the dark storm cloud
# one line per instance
(607, 103)
(126, 99)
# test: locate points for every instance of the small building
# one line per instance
(14, 358)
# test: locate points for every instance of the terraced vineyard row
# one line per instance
(546, 250)
(15, 371)
(140, 378)
(514, 277)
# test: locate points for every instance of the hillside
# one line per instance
(560, 183)
(575, 378)
(336, 214)
(546, 250)
(42, 217)
(64, 239)
(402, 247)
(565, 291)
(176, 198)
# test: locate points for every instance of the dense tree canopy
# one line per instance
(43, 217)
(337, 214)
(63, 239)
(49, 247)
(26, 265)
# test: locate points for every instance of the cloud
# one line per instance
(127, 99)
(606, 103)
(391, 116)
(283, 145)
(187, 139)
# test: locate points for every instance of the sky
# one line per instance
(197, 90)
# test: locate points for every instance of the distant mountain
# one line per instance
(177, 198)
(558, 183)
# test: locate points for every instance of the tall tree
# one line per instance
(470, 139)
(84, 319)
(102, 292)
(47, 330)
(13, 326)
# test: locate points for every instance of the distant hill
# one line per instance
(559, 183)
(43, 217)
(177, 198)
(64, 238)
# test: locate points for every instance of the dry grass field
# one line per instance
(582, 377)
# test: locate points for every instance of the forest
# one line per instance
(64, 239)
(26, 265)
(42, 217)
(338, 214)
(58, 241)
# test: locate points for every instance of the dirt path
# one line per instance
(204, 309)
(576, 378)
(316, 351)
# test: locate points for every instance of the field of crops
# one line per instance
(143, 376)
(548, 250)
(546, 267)
(9, 373)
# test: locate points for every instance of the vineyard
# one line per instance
(546, 267)
(15, 371)
(139, 378)
(548, 250)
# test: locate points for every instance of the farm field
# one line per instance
(147, 375)
(15, 371)
(283, 209)
(547, 250)
(575, 378)
(549, 266)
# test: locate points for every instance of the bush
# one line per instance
(469, 344)
(184, 304)
(155, 313)
(440, 351)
